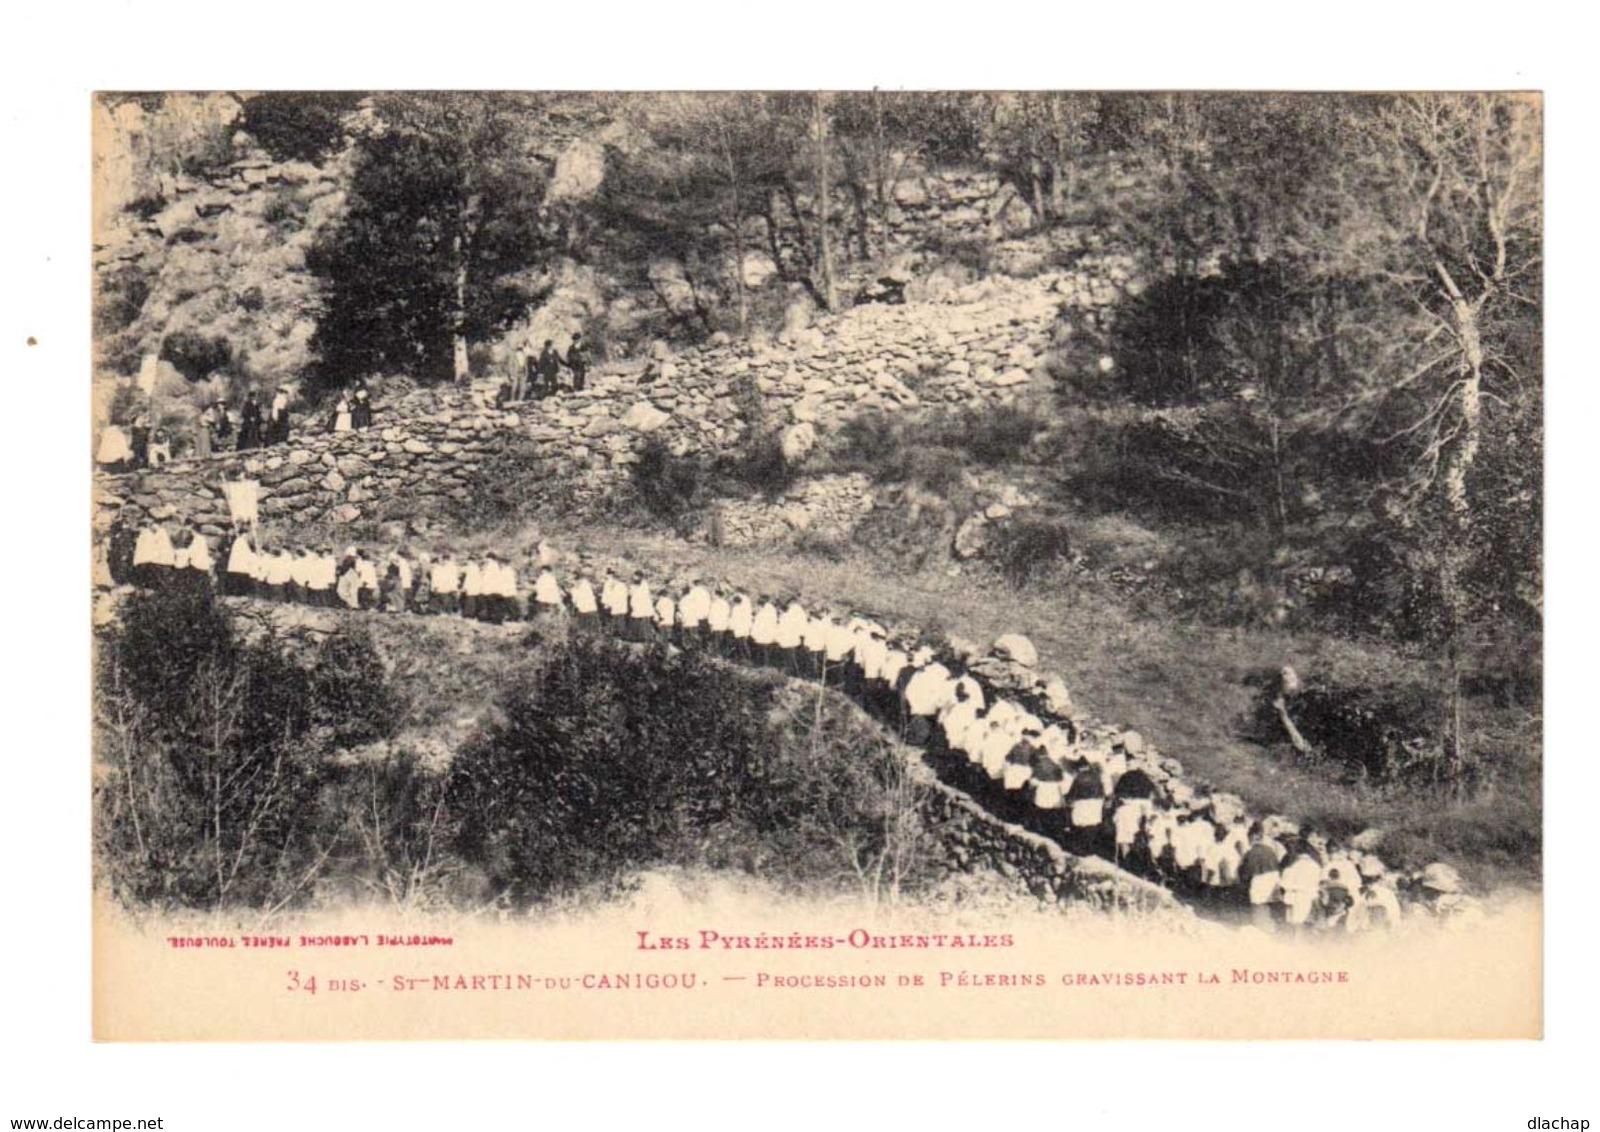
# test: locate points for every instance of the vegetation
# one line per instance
(233, 776)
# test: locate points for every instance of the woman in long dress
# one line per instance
(341, 415)
(361, 414)
(250, 423)
(202, 435)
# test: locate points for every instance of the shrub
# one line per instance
(993, 435)
(607, 760)
(298, 125)
(1028, 549)
(351, 697)
(119, 299)
(209, 795)
(602, 761)
(195, 355)
(666, 485)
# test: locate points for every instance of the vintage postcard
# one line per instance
(821, 564)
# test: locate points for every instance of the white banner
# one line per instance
(243, 498)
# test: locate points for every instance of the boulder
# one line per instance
(1056, 697)
(971, 537)
(798, 440)
(1017, 649)
(645, 418)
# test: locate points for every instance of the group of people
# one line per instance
(217, 429)
(1017, 749)
(536, 376)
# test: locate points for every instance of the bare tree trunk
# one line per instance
(462, 248)
(824, 244)
(1460, 453)
(736, 225)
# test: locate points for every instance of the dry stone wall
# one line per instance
(429, 447)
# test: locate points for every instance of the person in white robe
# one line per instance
(547, 599)
(764, 633)
(694, 613)
(154, 559)
(444, 584)
(614, 603)
(838, 647)
(789, 638)
(276, 573)
(585, 605)
(238, 576)
(115, 453)
(367, 577)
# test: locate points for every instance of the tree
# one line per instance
(444, 228)
(1451, 224)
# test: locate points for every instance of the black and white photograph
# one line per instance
(859, 553)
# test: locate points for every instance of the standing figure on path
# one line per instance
(741, 621)
(278, 423)
(139, 435)
(361, 405)
(1258, 877)
(578, 362)
(444, 583)
(250, 423)
(693, 611)
(238, 578)
(764, 634)
(641, 609)
(202, 434)
(546, 595)
(585, 609)
(614, 603)
(341, 415)
(472, 589)
(791, 633)
(221, 425)
(549, 368)
(160, 448)
(518, 378)
(120, 542)
(719, 610)
(154, 560)
(115, 453)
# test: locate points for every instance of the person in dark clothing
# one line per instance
(577, 362)
(549, 367)
(119, 550)
(532, 386)
(250, 423)
(221, 426)
(139, 440)
(361, 405)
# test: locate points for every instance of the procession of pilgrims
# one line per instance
(1095, 791)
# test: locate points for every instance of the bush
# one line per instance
(119, 299)
(608, 760)
(993, 435)
(1028, 549)
(666, 485)
(197, 356)
(209, 797)
(298, 125)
